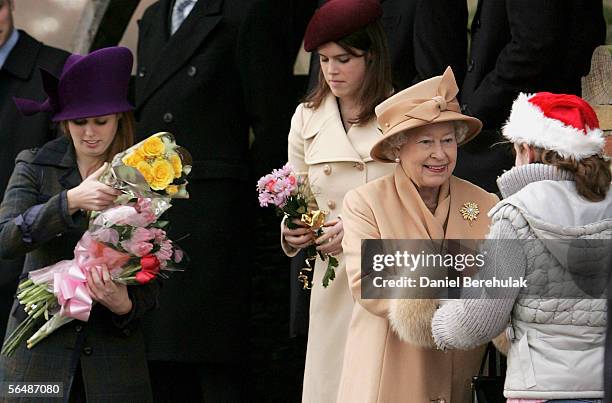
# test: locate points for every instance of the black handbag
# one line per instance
(490, 388)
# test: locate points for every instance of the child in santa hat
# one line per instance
(553, 229)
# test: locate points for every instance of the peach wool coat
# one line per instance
(390, 355)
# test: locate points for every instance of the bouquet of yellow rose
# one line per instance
(155, 165)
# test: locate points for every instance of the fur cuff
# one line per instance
(411, 320)
(502, 343)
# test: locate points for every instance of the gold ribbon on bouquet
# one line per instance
(315, 220)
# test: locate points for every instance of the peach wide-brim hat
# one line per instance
(428, 102)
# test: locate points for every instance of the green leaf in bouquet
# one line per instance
(330, 272)
(290, 224)
(132, 177)
(161, 224)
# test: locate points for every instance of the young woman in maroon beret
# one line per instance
(43, 216)
(329, 143)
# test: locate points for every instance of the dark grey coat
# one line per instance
(34, 220)
(19, 77)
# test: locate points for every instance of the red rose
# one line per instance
(150, 263)
(149, 267)
(143, 277)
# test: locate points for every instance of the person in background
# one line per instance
(424, 37)
(556, 196)
(521, 46)
(331, 134)
(208, 72)
(44, 214)
(20, 58)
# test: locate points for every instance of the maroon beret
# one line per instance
(339, 18)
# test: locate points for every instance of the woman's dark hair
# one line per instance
(377, 83)
(592, 174)
(124, 138)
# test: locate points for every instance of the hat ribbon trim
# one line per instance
(424, 109)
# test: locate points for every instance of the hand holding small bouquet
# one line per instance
(128, 240)
(290, 196)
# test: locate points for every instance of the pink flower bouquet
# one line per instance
(290, 196)
(127, 239)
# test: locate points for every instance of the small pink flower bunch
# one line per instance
(134, 229)
(276, 187)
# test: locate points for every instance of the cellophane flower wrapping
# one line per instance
(129, 239)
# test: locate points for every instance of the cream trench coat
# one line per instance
(334, 162)
(379, 366)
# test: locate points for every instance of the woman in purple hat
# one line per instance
(44, 214)
(329, 143)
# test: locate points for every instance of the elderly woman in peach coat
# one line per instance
(390, 354)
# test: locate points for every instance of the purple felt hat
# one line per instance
(92, 85)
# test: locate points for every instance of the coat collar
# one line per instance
(60, 153)
(178, 48)
(446, 222)
(520, 176)
(332, 142)
(21, 62)
(428, 225)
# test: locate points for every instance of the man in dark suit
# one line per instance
(20, 58)
(424, 37)
(207, 80)
(521, 46)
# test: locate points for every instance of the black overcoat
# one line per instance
(34, 220)
(19, 77)
(521, 46)
(220, 74)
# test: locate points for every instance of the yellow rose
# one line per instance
(140, 152)
(153, 146)
(172, 189)
(146, 170)
(177, 165)
(132, 159)
(163, 174)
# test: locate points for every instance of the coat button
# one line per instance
(359, 166)
(126, 332)
(168, 117)
(327, 169)
(87, 350)
(142, 72)
(471, 65)
(192, 71)
(78, 328)
(331, 204)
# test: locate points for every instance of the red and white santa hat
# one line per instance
(563, 123)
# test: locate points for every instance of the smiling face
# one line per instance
(93, 136)
(429, 154)
(344, 72)
(6, 20)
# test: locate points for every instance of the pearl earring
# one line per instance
(397, 159)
